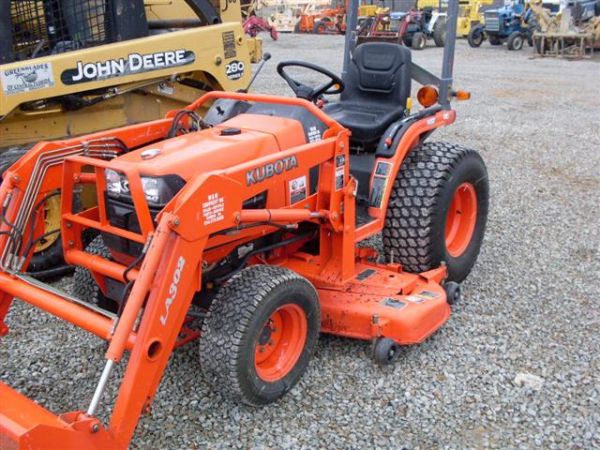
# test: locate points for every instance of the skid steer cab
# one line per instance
(253, 219)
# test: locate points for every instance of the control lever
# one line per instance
(265, 58)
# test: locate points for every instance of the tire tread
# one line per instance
(415, 204)
(229, 317)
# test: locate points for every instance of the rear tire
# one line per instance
(476, 37)
(439, 32)
(418, 41)
(260, 333)
(437, 210)
(515, 41)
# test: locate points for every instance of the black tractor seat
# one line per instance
(377, 89)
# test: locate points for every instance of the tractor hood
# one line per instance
(238, 140)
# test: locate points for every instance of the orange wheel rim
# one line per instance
(461, 219)
(280, 342)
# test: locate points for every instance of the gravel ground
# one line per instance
(529, 307)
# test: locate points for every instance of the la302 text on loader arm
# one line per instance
(250, 218)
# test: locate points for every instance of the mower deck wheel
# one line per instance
(385, 351)
(259, 334)
(452, 292)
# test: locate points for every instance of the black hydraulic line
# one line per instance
(174, 23)
(55, 272)
(206, 10)
(134, 263)
(129, 284)
(33, 242)
(9, 234)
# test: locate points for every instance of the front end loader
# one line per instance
(253, 217)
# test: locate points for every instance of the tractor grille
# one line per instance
(492, 21)
(44, 27)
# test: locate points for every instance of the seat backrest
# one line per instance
(379, 73)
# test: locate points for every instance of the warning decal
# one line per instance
(229, 45)
(213, 208)
(297, 189)
(393, 303)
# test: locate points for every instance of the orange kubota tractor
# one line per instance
(322, 21)
(254, 219)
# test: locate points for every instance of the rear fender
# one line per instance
(407, 136)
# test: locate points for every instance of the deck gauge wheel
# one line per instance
(452, 292)
(385, 351)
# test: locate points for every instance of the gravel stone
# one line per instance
(530, 381)
(529, 306)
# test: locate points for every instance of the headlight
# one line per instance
(157, 190)
(116, 183)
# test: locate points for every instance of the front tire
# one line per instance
(260, 333)
(515, 41)
(437, 210)
(418, 41)
(84, 284)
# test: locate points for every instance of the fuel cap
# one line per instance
(230, 131)
(150, 153)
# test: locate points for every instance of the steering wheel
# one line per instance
(334, 86)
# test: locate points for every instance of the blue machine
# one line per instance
(505, 24)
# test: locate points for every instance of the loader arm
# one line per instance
(162, 287)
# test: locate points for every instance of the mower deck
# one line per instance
(379, 301)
